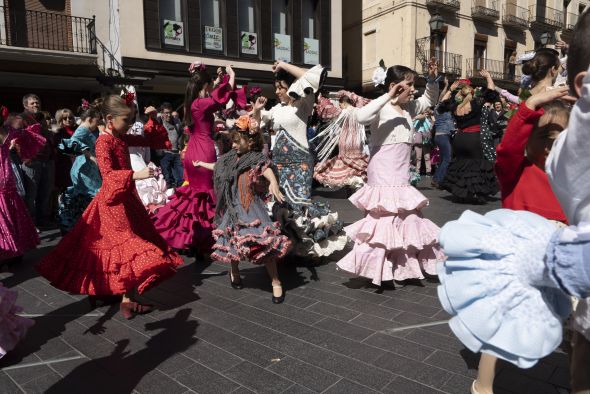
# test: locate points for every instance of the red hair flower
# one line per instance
(129, 98)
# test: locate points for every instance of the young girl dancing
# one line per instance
(114, 248)
(244, 228)
(393, 241)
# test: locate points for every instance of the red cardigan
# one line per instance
(524, 186)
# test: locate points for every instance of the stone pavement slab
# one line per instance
(333, 334)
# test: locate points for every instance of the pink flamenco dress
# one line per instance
(394, 241)
(187, 219)
(12, 327)
(17, 231)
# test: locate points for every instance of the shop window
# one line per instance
(212, 24)
(281, 30)
(172, 23)
(248, 18)
(311, 43)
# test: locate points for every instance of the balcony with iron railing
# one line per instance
(485, 10)
(515, 16)
(449, 5)
(66, 34)
(546, 17)
(448, 63)
(571, 20)
(499, 70)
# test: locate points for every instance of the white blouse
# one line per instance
(293, 118)
(388, 125)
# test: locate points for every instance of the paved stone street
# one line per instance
(333, 334)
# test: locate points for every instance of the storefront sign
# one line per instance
(311, 51)
(214, 38)
(249, 43)
(173, 33)
(282, 44)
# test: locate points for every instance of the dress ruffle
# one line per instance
(388, 199)
(186, 221)
(498, 301)
(471, 179)
(342, 171)
(12, 327)
(17, 230)
(309, 83)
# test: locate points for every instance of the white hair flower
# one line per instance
(379, 76)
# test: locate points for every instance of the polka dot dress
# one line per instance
(114, 247)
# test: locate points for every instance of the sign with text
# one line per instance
(282, 44)
(173, 32)
(214, 38)
(311, 51)
(249, 43)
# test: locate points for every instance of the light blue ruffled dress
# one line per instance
(86, 179)
(496, 284)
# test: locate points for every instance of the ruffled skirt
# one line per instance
(12, 327)
(17, 230)
(342, 170)
(186, 221)
(393, 241)
(487, 286)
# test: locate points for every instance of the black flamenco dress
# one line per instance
(470, 177)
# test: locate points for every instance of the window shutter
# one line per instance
(232, 28)
(151, 22)
(297, 31)
(193, 19)
(325, 33)
(266, 36)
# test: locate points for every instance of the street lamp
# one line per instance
(436, 23)
(545, 38)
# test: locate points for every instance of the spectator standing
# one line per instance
(170, 158)
(498, 121)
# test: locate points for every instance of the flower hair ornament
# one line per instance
(128, 94)
(247, 124)
(196, 66)
(379, 74)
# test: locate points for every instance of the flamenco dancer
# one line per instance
(114, 248)
(314, 230)
(244, 228)
(349, 167)
(393, 241)
(186, 221)
(84, 173)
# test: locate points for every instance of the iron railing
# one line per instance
(499, 70)
(485, 9)
(448, 63)
(571, 21)
(45, 30)
(453, 5)
(106, 61)
(547, 16)
(515, 16)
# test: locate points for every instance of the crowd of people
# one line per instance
(231, 181)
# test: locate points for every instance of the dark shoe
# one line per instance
(281, 298)
(130, 309)
(434, 184)
(103, 300)
(235, 285)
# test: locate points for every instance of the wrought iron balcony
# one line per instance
(546, 17)
(450, 5)
(448, 63)
(515, 16)
(499, 70)
(485, 10)
(571, 21)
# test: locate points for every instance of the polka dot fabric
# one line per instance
(114, 247)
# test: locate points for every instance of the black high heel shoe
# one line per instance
(235, 285)
(281, 298)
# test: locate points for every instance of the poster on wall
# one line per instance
(282, 44)
(173, 32)
(249, 43)
(214, 38)
(311, 51)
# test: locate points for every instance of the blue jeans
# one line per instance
(172, 169)
(443, 141)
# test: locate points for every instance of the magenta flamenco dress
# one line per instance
(187, 219)
(17, 231)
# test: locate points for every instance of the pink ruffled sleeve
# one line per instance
(116, 184)
(241, 100)
(29, 141)
(224, 92)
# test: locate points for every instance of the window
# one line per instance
(212, 22)
(311, 44)
(479, 55)
(281, 30)
(247, 18)
(172, 22)
(370, 46)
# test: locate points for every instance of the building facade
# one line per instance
(471, 35)
(63, 48)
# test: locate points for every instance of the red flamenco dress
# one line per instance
(114, 248)
(186, 221)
